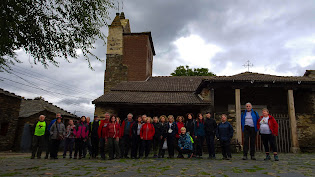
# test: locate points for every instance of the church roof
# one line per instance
(30, 107)
(184, 89)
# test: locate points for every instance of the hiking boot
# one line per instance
(267, 157)
(244, 157)
(276, 158)
(252, 158)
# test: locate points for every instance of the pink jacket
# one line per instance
(81, 130)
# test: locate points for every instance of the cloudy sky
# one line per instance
(278, 37)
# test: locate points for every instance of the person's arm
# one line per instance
(217, 132)
(231, 131)
(141, 133)
(52, 129)
(153, 130)
(99, 131)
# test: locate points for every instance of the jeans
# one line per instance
(87, 146)
(37, 146)
(269, 139)
(69, 142)
(102, 147)
(210, 145)
(249, 139)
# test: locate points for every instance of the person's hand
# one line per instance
(141, 138)
(117, 139)
(161, 137)
(182, 148)
(195, 136)
(106, 139)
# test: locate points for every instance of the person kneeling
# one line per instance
(225, 134)
(185, 143)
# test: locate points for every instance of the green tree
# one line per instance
(47, 29)
(186, 71)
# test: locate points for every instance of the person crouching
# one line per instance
(224, 134)
(185, 143)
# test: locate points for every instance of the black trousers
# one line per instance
(102, 147)
(156, 144)
(69, 142)
(161, 151)
(226, 151)
(78, 147)
(146, 146)
(95, 146)
(54, 148)
(170, 145)
(87, 146)
(177, 147)
(199, 142)
(126, 145)
(37, 146)
(186, 151)
(210, 145)
(249, 140)
(269, 139)
(48, 147)
(136, 146)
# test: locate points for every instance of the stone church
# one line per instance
(129, 87)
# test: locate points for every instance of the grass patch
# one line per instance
(11, 174)
(204, 173)
(101, 169)
(76, 168)
(254, 169)
(165, 168)
(236, 170)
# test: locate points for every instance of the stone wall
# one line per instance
(9, 111)
(100, 110)
(306, 132)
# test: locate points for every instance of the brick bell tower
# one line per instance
(129, 55)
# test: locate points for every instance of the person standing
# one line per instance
(157, 136)
(190, 127)
(102, 134)
(199, 134)
(249, 119)
(224, 133)
(57, 133)
(163, 122)
(136, 144)
(112, 137)
(147, 132)
(81, 132)
(268, 128)
(171, 129)
(48, 144)
(210, 129)
(40, 134)
(87, 144)
(69, 139)
(126, 134)
(94, 136)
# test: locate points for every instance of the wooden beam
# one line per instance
(238, 115)
(295, 143)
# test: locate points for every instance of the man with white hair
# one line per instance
(249, 120)
(126, 135)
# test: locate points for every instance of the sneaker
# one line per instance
(267, 157)
(252, 158)
(244, 157)
(276, 158)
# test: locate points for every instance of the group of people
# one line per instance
(121, 138)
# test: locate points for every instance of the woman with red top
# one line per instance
(146, 134)
(112, 137)
(268, 130)
(180, 124)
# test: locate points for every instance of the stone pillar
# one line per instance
(238, 115)
(295, 143)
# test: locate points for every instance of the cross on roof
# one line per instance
(248, 64)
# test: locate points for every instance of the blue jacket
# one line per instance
(185, 142)
(255, 117)
(51, 123)
(224, 131)
(199, 130)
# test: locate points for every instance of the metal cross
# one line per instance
(248, 64)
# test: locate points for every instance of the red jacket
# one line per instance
(123, 127)
(179, 126)
(113, 130)
(273, 125)
(102, 128)
(147, 135)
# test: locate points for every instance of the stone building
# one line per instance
(9, 114)
(130, 87)
(30, 111)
